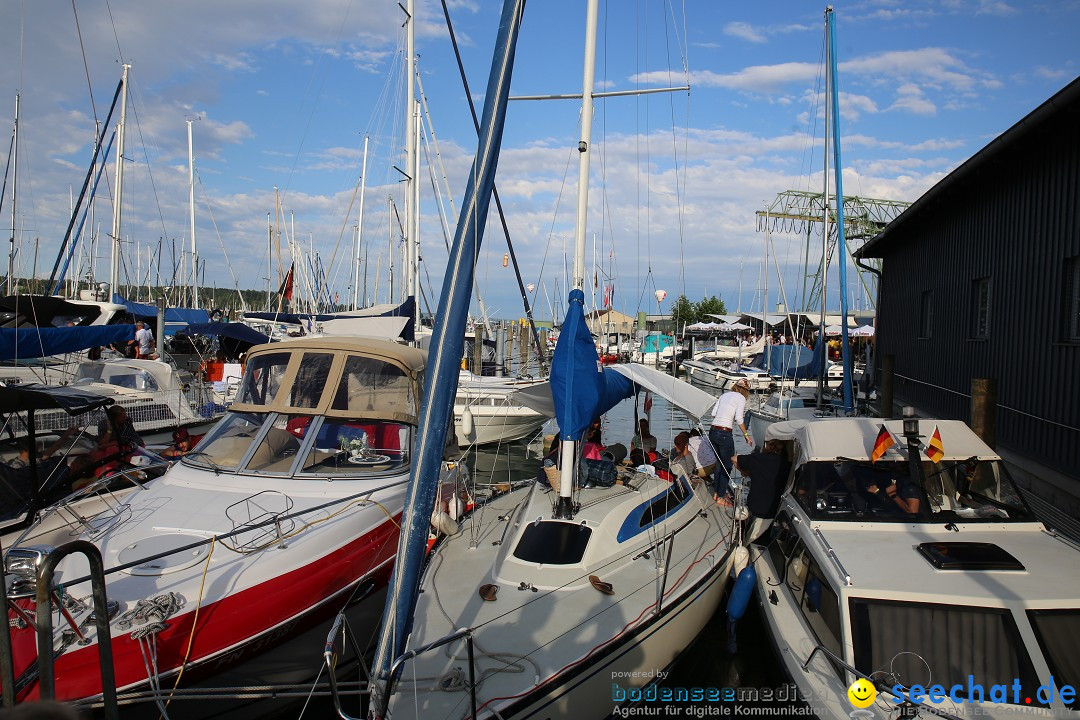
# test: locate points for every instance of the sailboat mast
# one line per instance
(822, 348)
(114, 262)
(14, 189)
(360, 226)
(841, 244)
(566, 453)
(191, 213)
(447, 343)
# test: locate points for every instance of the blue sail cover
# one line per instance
(791, 361)
(26, 343)
(143, 311)
(580, 388)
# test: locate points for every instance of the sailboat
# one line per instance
(545, 594)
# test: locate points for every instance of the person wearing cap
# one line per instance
(183, 442)
(728, 412)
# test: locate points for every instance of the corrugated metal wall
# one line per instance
(1015, 221)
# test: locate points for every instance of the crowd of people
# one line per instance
(708, 459)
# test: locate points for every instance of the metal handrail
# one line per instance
(833, 556)
(886, 688)
(395, 668)
(46, 679)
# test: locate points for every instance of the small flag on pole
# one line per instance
(882, 444)
(935, 450)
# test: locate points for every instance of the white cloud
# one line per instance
(744, 31)
(911, 99)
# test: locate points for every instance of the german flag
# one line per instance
(935, 451)
(882, 444)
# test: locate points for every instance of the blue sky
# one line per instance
(283, 92)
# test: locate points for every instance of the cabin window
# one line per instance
(1058, 632)
(924, 643)
(277, 450)
(227, 442)
(357, 447)
(263, 378)
(980, 308)
(369, 384)
(553, 543)
(817, 602)
(1071, 305)
(926, 314)
(307, 388)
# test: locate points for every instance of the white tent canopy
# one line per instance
(863, 331)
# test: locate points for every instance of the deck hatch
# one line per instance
(968, 556)
(553, 543)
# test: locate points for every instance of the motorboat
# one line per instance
(931, 581)
(157, 397)
(487, 413)
(284, 514)
(556, 607)
(722, 375)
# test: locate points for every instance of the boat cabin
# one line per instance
(966, 594)
(313, 407)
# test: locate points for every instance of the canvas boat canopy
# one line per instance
(853, 438)
(336, 377)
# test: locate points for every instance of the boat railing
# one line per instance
(46, 595)
(881, 687)
(332, 650)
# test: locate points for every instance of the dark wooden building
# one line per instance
(981, 279)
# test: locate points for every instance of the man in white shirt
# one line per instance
(728, 412)
(144, 339)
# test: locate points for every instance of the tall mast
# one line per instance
(114, 262)
(565, 507)
(269, 258)
(191, 213)
(360, 226)
(14, 189)
(841, 243)
(411, 211)
(825, 224)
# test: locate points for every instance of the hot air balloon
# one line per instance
(660, 295)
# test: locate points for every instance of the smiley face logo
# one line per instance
(862, 693)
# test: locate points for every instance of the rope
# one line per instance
(194, 624)
(1003, 407)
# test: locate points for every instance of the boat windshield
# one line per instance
(975, 648)
(948, 491)
(302, 446)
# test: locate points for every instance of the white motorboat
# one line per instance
(157, 397)
(962, 603)
(487, 413)
(557, 607)
(722, 375)
(289, 504)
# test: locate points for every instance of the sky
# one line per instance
(281, 95)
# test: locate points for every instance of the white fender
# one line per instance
(467, 427)
(444, 523)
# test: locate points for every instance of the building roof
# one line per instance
(1066, 101)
